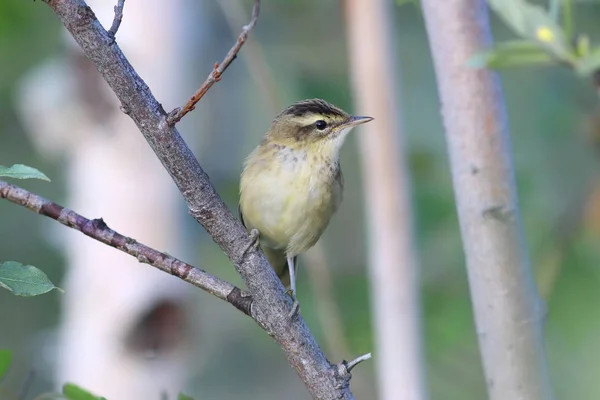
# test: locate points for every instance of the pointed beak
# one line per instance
(353, 121)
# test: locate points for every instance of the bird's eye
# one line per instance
(320, 124)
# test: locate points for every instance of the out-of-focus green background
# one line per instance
(304, 42)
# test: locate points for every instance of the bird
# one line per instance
(292, 183)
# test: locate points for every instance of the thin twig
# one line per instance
(97, 229)
(345, 367)
(350, 365)
(112, 32)
(215, 76)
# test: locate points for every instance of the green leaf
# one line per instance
(582, 45)
(511, 54)
(184, 397)
(20, 171)
(24, 280)
(533, 22)
(74, 392)
(5, 359)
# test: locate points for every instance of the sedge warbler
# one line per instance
(292, 182)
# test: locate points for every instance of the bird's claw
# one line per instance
(295, 307)
(295, 310)
(254, 240)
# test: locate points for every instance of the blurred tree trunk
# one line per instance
(508, 311)
(392, 256)
(124, 338)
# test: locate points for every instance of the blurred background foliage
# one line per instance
(555, 125)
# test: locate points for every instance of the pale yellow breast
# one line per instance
(289, 199)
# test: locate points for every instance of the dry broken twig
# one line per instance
(97, 229)
(271, 304)
(215, 76)
(112, 32)
(350, 365)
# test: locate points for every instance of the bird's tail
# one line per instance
(278, 261)
(276, 258)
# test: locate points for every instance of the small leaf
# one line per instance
(20, 171)
(533, 22)
(184, 397)
(582, 45)
(5, 359)
(24, 280)
(74, 392)
(511, 54)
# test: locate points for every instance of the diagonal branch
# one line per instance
(215, 75)
(271, 304)
(97, 229)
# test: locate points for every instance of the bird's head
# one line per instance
(313, 125)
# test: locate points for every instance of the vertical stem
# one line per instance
(392, 258)
(507, 308)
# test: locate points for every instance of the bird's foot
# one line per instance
(295, 307)
(295, 310)
(254, 240)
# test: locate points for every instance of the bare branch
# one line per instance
(507, 308)
(270, 304)
(112, 32)
(215, 76)
(97, 229)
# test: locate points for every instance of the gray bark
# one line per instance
(508, 311)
